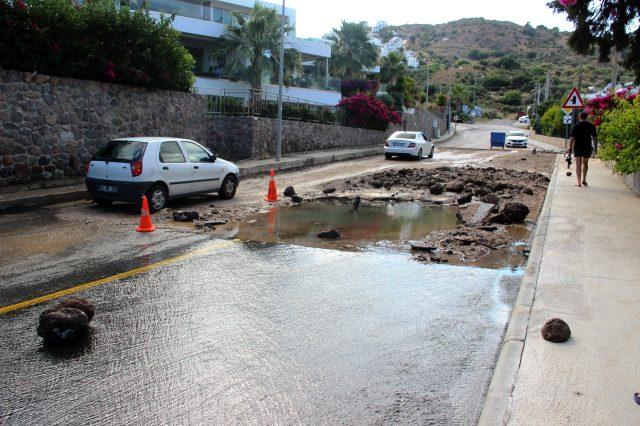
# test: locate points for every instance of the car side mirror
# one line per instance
(213, 158)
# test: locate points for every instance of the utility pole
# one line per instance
(426, 115)
(280, 84)
(449, 104)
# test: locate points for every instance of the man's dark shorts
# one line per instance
(582, 151)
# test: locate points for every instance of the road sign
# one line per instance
(574, 101)
(567, 110)
(568, 119)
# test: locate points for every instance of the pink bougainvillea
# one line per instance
(363, 110)
(567, 3)
(598, 106)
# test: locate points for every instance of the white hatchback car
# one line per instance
(160, 168)
(414, 144)
(517, 139)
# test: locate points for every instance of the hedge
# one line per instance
(94, 40)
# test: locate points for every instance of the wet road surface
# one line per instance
(477, 136)
(250, 332)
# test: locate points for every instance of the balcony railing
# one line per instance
(186, 9)
(258, 103)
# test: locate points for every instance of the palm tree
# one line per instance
(459, 94)
(251, 45)
(351, 51)
(393, 67)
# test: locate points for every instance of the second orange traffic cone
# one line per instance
(272, 195)
(145, 218)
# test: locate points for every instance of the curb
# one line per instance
(446, 137)
(496, 406)
(63, 196)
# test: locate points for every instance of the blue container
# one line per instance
(498, 139)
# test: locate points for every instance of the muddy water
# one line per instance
(371, 223)
(262, 333)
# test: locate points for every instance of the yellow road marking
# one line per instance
(126, 274)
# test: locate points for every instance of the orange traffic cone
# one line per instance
(272, 196)
(145, 218)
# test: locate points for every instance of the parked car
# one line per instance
(160, 168)
(524, 119)
(414, 144)
(517, 139)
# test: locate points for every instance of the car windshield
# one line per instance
(516, 134)
(125, 151)
(404, 136)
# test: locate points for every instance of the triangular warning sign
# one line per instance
(574, 100)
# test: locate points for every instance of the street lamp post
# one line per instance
(280, 84)
(427, 127)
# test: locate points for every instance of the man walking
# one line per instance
(582, 135)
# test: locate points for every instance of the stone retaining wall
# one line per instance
(557, 142)
(50, 127)
(239, 138)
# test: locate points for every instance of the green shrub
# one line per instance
(619, 135)
(512, 97)
(93, 41)
(551, 121)
(386, 99)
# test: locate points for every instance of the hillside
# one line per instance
(503, 56)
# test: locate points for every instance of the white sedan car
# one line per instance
(517, 139)
(414, 144)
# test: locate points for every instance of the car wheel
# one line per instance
(157, 198)
(102, 202)
(229, 186)
(432, 150)
(388, 156)
(419, 156)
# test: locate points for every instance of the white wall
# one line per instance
(214, 86)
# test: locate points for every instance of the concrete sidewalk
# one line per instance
(248, 168)
(584, 268)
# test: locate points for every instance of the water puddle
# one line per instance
(379, 223)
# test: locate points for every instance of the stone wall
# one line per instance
(50, 127)
(239, 138)
(420, 119)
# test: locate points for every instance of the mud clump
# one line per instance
(329, 190)
(63, 326)
(436, 189)
(556, 330)
(183, 216)
(490, 199)
(456, 187)
(511, 213)
(67, 322)
(297, 199)
(332, 234)
(465, 198)
(289, 191)
(465, 243)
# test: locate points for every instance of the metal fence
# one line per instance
(258, 103)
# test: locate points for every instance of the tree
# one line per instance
(394, 67)
(351, 51)
(251, 47)
(512, 97)
(605, 24)
(459, 95)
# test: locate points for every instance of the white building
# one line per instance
(202, 22)
(379, 26)
(396, 44)
(412, 60)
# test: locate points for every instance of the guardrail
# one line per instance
(258, 103)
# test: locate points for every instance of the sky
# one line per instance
(317, 17)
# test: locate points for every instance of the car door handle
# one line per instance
(196, 167)
(165, 168)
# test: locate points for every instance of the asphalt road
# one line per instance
(477, 136)
(190, 329)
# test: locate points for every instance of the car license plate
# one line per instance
(398, 144)
(107, 188)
